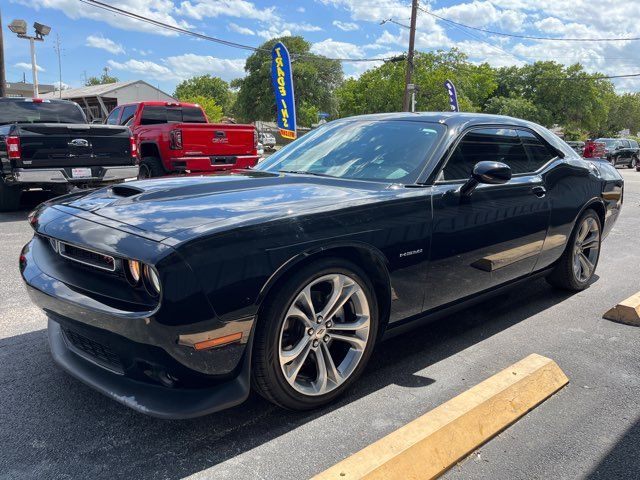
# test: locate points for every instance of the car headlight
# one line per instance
(134, 271)
(152, 280)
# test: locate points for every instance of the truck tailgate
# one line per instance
(66, 145)
(210, 139)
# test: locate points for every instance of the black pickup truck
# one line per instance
(48, 144)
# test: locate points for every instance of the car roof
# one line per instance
(447, 118)
(28, 99)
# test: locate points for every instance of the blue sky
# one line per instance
(92, 38)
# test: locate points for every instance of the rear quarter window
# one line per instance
(193, 115)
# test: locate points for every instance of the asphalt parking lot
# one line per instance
(52, 426)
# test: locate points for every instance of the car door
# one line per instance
(496, 234)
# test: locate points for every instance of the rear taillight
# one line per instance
(13, 147)
(134, 147)
(255, 139)
(175, 139)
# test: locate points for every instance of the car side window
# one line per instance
(153, 115)
(633, 143)
(539, 152)
(625, 143)
(112, 119)
(127, 114)
(486, 144)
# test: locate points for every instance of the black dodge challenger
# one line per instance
(176, 296)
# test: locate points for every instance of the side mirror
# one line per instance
(492, 173)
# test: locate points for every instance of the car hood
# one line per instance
(169, 206)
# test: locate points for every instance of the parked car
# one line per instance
(621, 151)
(267, 140)
(48, 144)
(577, 146)
(178, 138)
(174, 296)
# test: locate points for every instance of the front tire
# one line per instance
(578, 263)
(315, 335)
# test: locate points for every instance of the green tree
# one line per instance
(208, 104)
(513, 107)
(315, 79)
(206, 86)
(102, 79)
(381, 89)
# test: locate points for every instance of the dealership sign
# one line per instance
(453, 96)
(283, 88)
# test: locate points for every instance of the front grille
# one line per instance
(87, 257)
(93, 351)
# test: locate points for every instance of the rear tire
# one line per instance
(150, 167)
(9, 197)
(634, 162)
(293, 343)
(578, 263)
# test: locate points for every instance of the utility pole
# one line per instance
(3, 79)
(412, 38)
(57, 49)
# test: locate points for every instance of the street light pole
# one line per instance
(34, 67)
(19, 27)
(412, 38)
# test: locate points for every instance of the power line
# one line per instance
(529, 37)
(184, 31)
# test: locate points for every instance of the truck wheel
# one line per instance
(9, 197)
(150, 167)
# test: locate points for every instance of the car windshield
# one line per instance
(609, 142)
(40, 112)
(383, 150)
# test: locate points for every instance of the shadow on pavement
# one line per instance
(623, 460)
(28, 201)
(53, 426)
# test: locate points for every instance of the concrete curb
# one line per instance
(428, 446)
(627, 311)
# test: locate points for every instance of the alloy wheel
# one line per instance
(586, 249)
(324, 334)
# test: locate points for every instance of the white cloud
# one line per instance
(273, 32)
(181, 67)
(104, 44)
(483, 13)
(238, 29)
(160, 10)
(200, 9)
(27, 66)
(345, 26)
(333, 48)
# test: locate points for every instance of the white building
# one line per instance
(98, 100)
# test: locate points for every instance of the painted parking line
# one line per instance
(627, 311)
(430, 445)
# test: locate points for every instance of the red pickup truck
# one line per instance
(177, 137)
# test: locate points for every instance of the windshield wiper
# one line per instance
(304, 172)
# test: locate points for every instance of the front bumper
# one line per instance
(150, 399)
(63, 175)
(132, 356)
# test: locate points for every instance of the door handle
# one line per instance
(539, 191)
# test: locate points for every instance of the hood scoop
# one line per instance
(125, 190)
